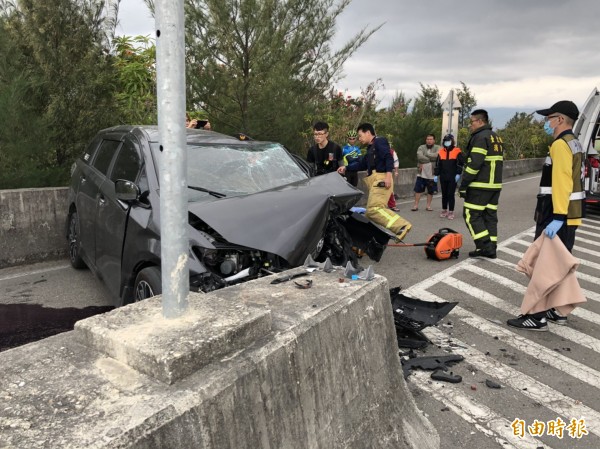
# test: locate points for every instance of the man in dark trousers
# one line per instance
(325, 155)
(481, 184)
(379, 164)
(560, 201)
(448, 167)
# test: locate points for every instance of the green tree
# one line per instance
(428, 104)
(65, 89)
(135, 61)
(261, 66)
(467, 104)
(523, 136)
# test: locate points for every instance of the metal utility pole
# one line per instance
(170, 77)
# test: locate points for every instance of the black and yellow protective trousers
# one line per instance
(377, 210)
(480, 212)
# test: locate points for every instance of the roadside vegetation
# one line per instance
(256, 67)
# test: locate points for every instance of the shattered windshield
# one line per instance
(238, 169)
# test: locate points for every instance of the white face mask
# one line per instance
(447, 143)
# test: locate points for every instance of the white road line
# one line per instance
(575, 248)
(588, 224)
(539, 352)
(582, 231)
(519, 254)
(583, 276)
(566, 332)
(520, 180)
(549, 397)
(515, 286)
(587, 241)
(34, 272)
(480, 416)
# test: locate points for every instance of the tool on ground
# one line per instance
(442, 245)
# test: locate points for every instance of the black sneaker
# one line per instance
(529, 322)
(555, 317)
(485, 252)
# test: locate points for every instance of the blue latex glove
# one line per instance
(553, 228)
(456, 178)
(435, 179)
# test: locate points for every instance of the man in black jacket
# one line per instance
(481, 184)
(325, 154)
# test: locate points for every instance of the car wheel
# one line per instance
(74, 242)
(148, 283)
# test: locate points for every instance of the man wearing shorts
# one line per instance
(426, 156)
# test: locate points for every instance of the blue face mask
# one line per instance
(447, 143)
(549, 130)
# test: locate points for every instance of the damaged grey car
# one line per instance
(253, 210)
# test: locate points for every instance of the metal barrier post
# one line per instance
(170, 74)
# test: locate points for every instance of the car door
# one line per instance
(112, 215)
(91, 178)
(587, 130)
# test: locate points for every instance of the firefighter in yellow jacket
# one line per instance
(481, 184)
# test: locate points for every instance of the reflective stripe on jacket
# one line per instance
(485, 156)
(572, 183)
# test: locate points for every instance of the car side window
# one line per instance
(104, 155)
(91, 149)
(128, 163)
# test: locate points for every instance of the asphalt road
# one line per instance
(544, 375)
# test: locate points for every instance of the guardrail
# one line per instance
(32, 221)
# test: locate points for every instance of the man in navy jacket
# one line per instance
(379, 164)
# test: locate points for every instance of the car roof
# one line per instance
(150, 133)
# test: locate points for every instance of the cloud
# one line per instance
(510, 53)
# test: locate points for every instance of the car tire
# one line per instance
(75, 242)
(148, 283)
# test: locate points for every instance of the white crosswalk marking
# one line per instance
(568, 353)
(482, 417)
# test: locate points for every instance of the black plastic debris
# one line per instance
(430, 363)
(288, 277)
(408, 338)
(491, 384)
(440, 374)
(305, 284)
(368, 236)
(411, 315)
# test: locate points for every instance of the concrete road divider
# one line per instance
(251, 366)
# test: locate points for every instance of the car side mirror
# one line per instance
(126, 190)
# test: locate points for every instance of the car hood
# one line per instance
(288, 221)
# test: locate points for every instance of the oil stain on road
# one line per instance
(26, 323)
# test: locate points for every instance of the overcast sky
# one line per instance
(518, 54)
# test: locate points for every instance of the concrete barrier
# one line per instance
(32, 225)
(404, 185)
(32, 221)
(313, 368)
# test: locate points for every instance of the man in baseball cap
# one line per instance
(559, 210)
(564, 107)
